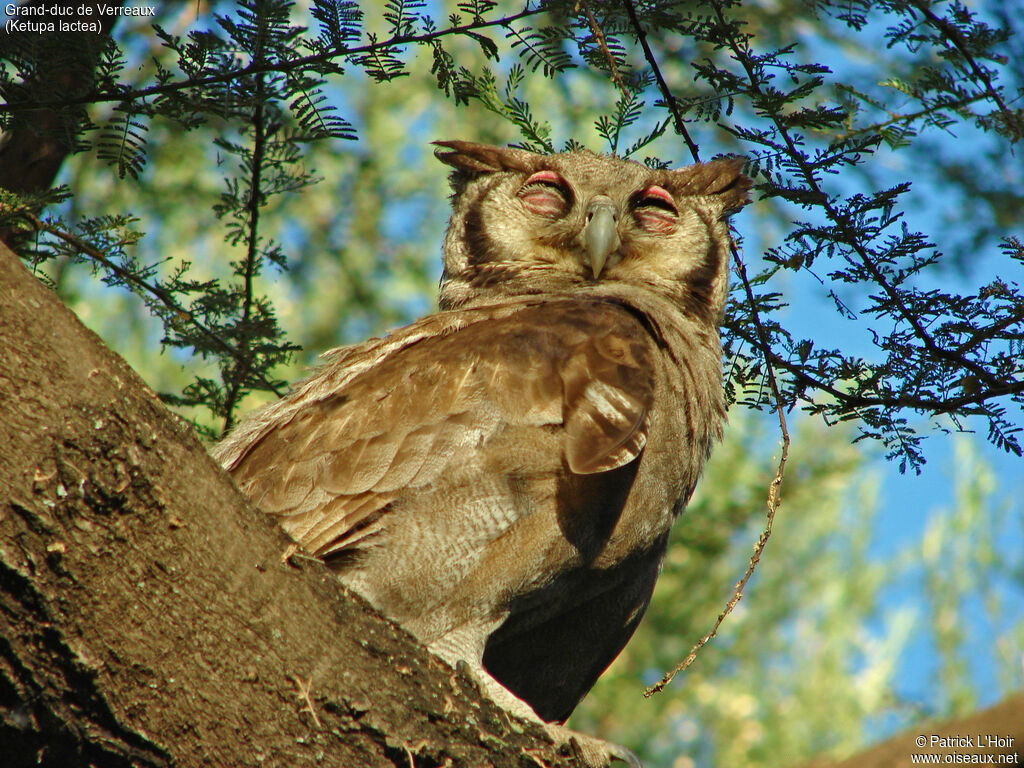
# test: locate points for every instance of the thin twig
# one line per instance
(774, 488)
(982, 335)
(598, 34)
(303, 694)
(666, 93)
(142, 287)
(952, 34)
(244, 361)
(910, 117)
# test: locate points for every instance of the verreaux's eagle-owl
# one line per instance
(500, 477)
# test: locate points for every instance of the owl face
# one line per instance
(537, 223)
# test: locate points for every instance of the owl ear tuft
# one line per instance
(470, 157)
(722, 179)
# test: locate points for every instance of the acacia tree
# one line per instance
(261, 80)
(266, 82)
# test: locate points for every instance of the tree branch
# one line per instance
(952, 34)
(773, 501)
(148, 614)
(142, 287)
(742, 55)
(666, 94)
(257, 68)
(1002, 722)
(598, 33)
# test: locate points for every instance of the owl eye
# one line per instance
(655, 210)
(545, 193)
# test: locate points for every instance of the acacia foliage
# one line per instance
(260, 78)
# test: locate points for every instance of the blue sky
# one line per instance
(909, 501)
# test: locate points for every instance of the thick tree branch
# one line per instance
(148, 615)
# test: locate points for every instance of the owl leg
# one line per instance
(590, 750)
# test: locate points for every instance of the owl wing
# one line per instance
(391, 416)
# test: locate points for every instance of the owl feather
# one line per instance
(500, 477)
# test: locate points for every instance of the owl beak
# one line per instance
(601, 232)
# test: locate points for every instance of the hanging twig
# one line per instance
(774, 488)
(666, 94)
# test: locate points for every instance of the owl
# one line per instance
(500, 477)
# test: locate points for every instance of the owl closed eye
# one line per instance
(578, 219)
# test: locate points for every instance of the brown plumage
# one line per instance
(500, 477)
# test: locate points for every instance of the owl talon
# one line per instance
(590, 750)
(468, 675)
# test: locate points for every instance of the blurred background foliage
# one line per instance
(811, 661)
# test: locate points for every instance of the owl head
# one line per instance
(524, 223)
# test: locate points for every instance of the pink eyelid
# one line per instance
(545, 176)
(660, 193)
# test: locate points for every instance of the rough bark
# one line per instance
(148, 616)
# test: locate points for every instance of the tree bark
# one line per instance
(149, 616)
